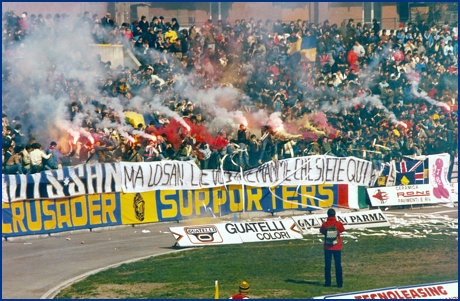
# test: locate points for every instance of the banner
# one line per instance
(232, 233)
(173, 205)
(352, 295)
(454, 180)
(454, 192)
(66, 182)
(454, 173)
(138, 208)
(5, 198)
(438, 169)
(269, 230)
(419, 170)
(312, 170)
(405, 195)
(203, 235)
(50, 216)
(351, 220)
(432, 171)
(440, 290)
(36, 216)
(142, 177)
(407, 172)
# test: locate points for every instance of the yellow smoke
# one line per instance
(310, 127)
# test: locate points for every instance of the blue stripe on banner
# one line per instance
(99, 210)
(50, 216)
(66, 182)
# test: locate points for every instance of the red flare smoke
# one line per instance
(218, 143)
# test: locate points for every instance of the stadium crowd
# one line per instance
(371, 92)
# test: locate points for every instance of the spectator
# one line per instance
(55, 161)
(36, 158)
(107, 22)
(352, 64)
(171, 35)
(375, 26)
(26, 165)
(144, 24)
(12, 160)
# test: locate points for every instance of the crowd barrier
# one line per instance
(222, 233)
(99, 195)
(88, 196)
(109, 209)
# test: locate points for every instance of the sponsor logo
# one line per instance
(139, 207)
(203, 234)
(381, 196)
(409, 194)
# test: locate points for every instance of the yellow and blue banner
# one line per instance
(107, 209)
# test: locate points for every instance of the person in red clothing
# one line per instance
(243, 291)
(333, 249)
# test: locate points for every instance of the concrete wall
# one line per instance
(286, 12)
(112, 53)
(182, 15)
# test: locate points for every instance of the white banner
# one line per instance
(265, 231)
(234, 233)
(312, 170)
(440, 290)
(66, 182)
(5, 198)
(391, 174)
(404, 195)
(351, 220)
(358, 295)
(454, 177)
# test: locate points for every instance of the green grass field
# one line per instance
(277, 270)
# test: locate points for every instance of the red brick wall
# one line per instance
(44, 8)
(288, 11)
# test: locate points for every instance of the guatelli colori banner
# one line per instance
(232, 233)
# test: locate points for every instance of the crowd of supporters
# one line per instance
(371, 92)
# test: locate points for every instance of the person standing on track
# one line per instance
(332, 247)
(243, 291)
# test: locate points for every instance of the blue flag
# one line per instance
(308, 42)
